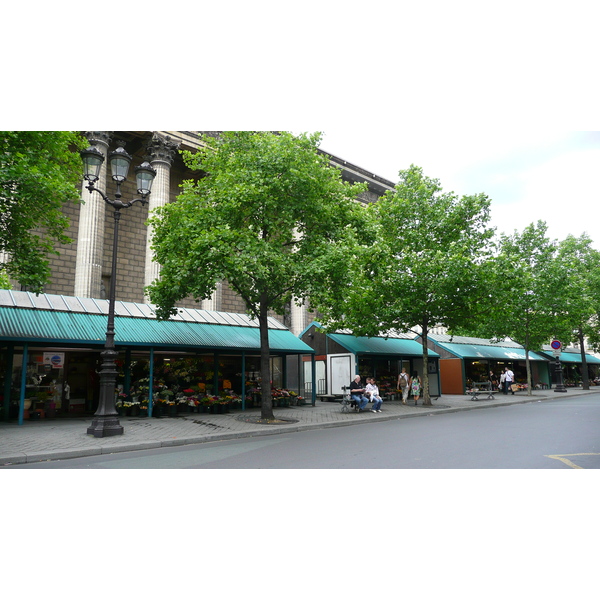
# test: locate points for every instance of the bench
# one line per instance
(476, 393)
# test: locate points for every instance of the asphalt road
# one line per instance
(557, 434)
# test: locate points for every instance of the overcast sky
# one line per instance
(552, 176)
(484, 96)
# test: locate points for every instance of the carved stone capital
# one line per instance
(98, 137)
(161, 149)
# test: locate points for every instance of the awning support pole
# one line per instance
(23, 383)
(243, 380)
(151, 382)
(313, 368)
(10, 355)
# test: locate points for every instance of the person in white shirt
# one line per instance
(373, 391)
(509, 379)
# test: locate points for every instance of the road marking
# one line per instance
(567, 462)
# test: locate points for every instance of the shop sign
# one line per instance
(55, 359)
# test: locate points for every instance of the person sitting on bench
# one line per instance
(373, 392)
(357, 394)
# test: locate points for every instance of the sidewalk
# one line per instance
(36, 441)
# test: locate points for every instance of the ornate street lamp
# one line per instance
(106, 418)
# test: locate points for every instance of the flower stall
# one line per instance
(163, 366)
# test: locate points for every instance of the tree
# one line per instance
(525, 286)
(424, 267)
(39, 172)
(579, 267)
(271, 217)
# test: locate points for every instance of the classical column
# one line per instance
(298, 314)
(214, 302)
(90, 238)
(161, 151)
(298, 317)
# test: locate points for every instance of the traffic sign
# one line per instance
(556, 348)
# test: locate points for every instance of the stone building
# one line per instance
(83, 267)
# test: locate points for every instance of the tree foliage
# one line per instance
(525, 286)
(579, 266)
(39, 172)
(423, 268)
(271, 217)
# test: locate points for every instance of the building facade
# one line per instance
(83, 268)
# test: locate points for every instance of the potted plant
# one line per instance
(213, 407)
(143, 408)
(135, 408)
(295, 399)
(233, 400)
(204, 404)
(170, 404)
(159, 408)
(182, 403)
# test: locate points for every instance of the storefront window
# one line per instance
(66, 383)
(81, 382)
(43, 382)
(385, 371)
(476, 371)
(201, 371)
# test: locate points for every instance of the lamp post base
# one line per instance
(560, 386)
(105, 426)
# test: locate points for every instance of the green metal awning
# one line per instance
(573, 358)
(495, 352)
(379, 345)
(35, 325)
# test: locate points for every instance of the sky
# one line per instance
(529, 175)
(500, 98)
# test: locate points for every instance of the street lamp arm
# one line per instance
(116, 203)
(128, 204)
(92, 188)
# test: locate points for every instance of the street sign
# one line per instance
(556, 347)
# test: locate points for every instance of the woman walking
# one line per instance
(415, 386)
(493, 381)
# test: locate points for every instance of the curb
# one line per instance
(48, 455)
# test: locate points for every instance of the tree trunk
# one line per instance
(528, 368)
(585, 379)
(266, 411)
(425, 377)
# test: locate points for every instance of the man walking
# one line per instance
(509, 379)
